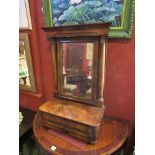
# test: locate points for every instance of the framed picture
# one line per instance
(71, 12)
(24, 15)
(26, 75)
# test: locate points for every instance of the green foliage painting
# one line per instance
(73, 12)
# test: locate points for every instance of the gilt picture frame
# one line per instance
(71, 12)
(26, 73)
(24, 15)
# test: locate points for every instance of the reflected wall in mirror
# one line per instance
(77, 69)
(26, 75)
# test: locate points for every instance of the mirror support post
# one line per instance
(101, 69)
(55, 67)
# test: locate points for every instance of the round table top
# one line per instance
(112, 136)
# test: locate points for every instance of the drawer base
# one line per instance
(75, 119)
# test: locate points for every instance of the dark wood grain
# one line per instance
(113, 135)
(79, 120)
(99, 29)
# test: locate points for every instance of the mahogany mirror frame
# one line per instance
(94, 33)
(64, 95)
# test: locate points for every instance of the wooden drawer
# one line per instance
(77, 120)
(70, 124)
(80, 131)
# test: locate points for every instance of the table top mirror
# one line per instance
(78, 54)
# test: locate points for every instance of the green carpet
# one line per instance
(29, 148)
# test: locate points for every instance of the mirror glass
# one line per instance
(77, 69)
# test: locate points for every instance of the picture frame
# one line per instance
(24, 15)
(122, 25)
(26, 74)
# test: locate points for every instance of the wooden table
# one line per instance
(113, 135)
(25, 128)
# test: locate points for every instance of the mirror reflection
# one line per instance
(77, 69)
